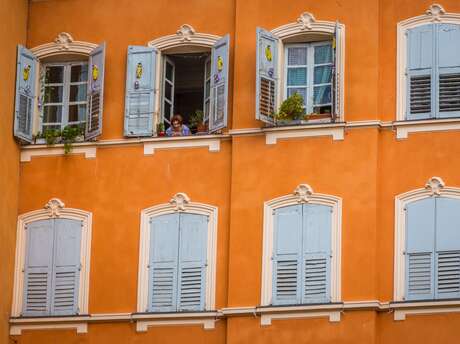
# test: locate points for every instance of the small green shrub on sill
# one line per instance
(69, 135)
(291, 109)
(51, 136)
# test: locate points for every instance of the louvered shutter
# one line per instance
(192, 262)
(219, 84)
(140, 84)
(38, 268)
(447, 248)
(420, 236)
(25, 94)
(287, 255)
(336, 79)
(420, 73)
(316, 264)
(95, 106)
(448, 56)
(164, 247)
(266, 76)
(66, 269)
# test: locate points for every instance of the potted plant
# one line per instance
(291, 109)
(161, 129)
(197, 121)
(69, 135)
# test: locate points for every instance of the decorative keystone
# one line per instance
(303, 192)
(180, 201)
(305, 20)
(186, 31)
(434, 185)
(436, 11)
(54, 207)
(63, 40)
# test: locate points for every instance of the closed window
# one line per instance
(433, 71)
(302, 254)
(177, 262)
(432, 252)
(52, 267)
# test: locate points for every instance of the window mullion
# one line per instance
(53, 268)
(178, 270)
(66, 96)
(310, 72)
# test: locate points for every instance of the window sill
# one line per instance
(404, 128)
(335, 130)
(146, 320)
(330, 310)
(79, 323)
(402, 309)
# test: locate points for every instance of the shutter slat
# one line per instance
(449, 92)
(419, 274)
(420, 94)
(448, 274)
(96, 71)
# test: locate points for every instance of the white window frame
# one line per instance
(310, 66)
(66, 84)
(435, 186)
(55, 208)
(434, 14)
(302, 194)
(180, 202)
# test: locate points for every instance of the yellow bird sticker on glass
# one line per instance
(95, 72)
(268, 53)
(26, 73)
(220, 63)
(139, 70)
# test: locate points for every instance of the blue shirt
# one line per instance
(185, 131)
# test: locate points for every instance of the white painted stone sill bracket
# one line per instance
(335, 130)
(404, 128)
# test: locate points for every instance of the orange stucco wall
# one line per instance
(13, 20)
(367, 170)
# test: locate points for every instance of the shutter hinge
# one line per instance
(405, 208)
(23, 270)
(404, 252)
(78, 310)
(271, 258)
(148, 266)
(80, 266)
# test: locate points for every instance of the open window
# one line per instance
(164, 80)
(56, 90)
(301, 63)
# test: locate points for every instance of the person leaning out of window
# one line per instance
(177, 128)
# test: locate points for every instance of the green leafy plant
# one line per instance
(69, 135)
(51, 136)
(196, 119)
(291, 109)
(161, 129)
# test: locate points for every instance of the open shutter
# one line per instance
(420, 72)
(266, 76)
(96, 72)
(38, 268)
(448, 73)
(219, 84)
(336, 77)
(192, 262)
(420, 236)
(25, 94)
(164, 241)
(287, 255)
(447, 248)
(66, 270)
(316, 267)
(140, 84)
(169, 76)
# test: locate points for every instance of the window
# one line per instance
(301, 249)
(52, 262)
(191, 79)
(304, 58)
(433, 71)
(55, 90)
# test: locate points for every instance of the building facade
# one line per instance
(332, 220)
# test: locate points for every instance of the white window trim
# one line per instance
(434, 187)
(180, 202)
(186, 37)
(302, 194)
(305, 24)
(434, 14)
(55, 208)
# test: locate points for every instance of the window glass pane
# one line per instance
(323, 74)
(54, 74)
(77, 93)
(77, 113)
(79, 73)
(208, 69)
(297, 56)
(169, 71)
(167, 109)
(322, 94)
(53, 94)
(52, 114)
(168, 90)
(301, 91)
(50, 127)
(297, 76)
(207, 89)
(323, 54)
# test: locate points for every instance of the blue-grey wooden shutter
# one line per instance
(140, 85)
(66, 267)
(419, 260)
(447, 248)
(287, 250)
(316, 264)
(38, 268)
(164, 248)
(219, 84)
(448, 70)
(25, 94)
(420, 72)
(266, 75)
(192, 262)
(96, 71)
